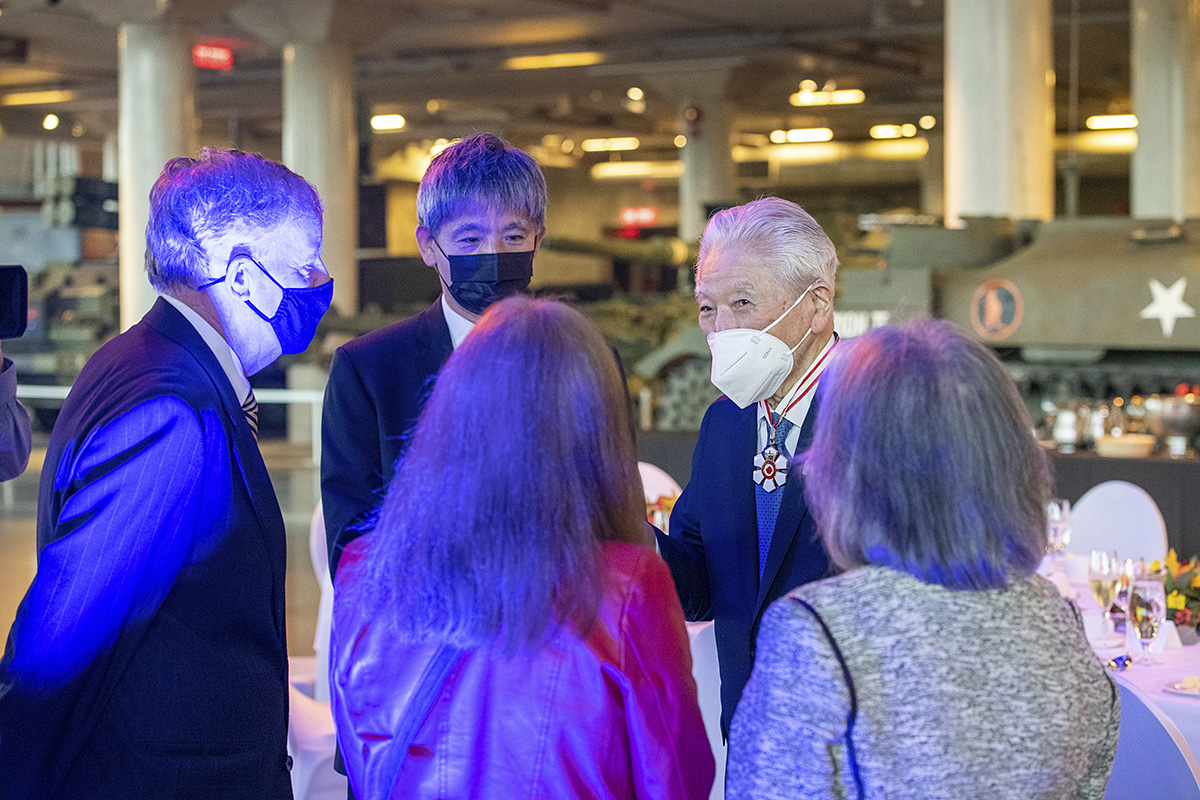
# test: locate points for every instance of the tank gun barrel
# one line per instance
(661, 251)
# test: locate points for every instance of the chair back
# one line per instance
(1118, 515)
(1153, 759)
(707, 674)
(317, 549)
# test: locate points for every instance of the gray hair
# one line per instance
(481, 170)
(543, 473)
(783, 234)
(923, 460)
(195, 198)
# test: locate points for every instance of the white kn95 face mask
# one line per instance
(750, 365)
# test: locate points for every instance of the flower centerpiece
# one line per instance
(658, 512)
(1182, 584)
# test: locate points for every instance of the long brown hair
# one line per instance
(520, 465)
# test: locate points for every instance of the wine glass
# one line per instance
(1147, 610)
(1058, 525)
(1104, 572)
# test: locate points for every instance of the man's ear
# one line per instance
(822, 296)
(537, 241)
(426, 246)
(238, 276)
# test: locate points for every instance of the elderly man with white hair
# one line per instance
(741, 535)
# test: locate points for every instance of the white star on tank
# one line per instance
(1168, 305)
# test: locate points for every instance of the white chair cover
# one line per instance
(311, 742)
(1117, 515)
(656, 482)
(708, 686)
(319, 552)
(1153, 759)
(311, 734)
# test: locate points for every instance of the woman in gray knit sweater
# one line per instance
(938, 665)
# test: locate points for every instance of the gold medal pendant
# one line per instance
(770, 469)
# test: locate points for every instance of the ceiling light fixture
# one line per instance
(554, 60)
(1108, 122)
(634, 93)
(37, 98)
(680, 140)
(885, 132)
(387, 122)
(796, 135)
(927, 122)
(607, 145)
(838, 97)
(50, 122)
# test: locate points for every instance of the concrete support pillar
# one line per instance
(707, 165)
(320, 142)
(999, 94)
(157, 123)
(933, 175)
(1165, 169)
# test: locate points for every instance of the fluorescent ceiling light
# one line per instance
(1108, 122)
(885, 132)
(628, 170)
(838, 97)
(801, 135)
(387, 122)
(606, 145)
(37, 98)
(554, 60)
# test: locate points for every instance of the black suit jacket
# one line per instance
(713, 547)
(148, 658)
(378, 385)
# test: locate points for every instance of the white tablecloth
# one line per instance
(1152, 678)
(1171, 664)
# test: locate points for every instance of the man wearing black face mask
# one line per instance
(149, 658)
(481, 207)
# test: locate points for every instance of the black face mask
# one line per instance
(480, 279)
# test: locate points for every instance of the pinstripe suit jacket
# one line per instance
(148, 658)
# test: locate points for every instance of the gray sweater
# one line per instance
(956, 694)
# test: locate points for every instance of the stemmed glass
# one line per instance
(1147, 610)
(1058, 525)
(1104, 572)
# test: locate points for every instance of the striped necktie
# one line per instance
(250, 409)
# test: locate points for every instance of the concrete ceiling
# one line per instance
(452, 52)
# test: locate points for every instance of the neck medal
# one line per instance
(770, 467)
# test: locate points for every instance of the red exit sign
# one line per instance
(639, 216)
(211, 56)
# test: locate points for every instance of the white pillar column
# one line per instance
(999, 92)
(707, 164)
(320, 142)
(1165, 67)
(157, 123)
(932, 172)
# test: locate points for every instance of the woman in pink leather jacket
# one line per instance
(505, 630)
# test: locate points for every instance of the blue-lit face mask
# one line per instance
(480, 279)
(300, 309)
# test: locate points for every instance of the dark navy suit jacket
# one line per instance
(378, 384)
(713, 547)
(148, 658)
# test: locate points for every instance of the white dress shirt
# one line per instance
(797, 413)
(230, 363)
(459, 325)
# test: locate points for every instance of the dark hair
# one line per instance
(481, 170)
(923, 459)
(198, 198)
(520, 465)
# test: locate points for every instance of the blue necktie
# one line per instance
(767, 503)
